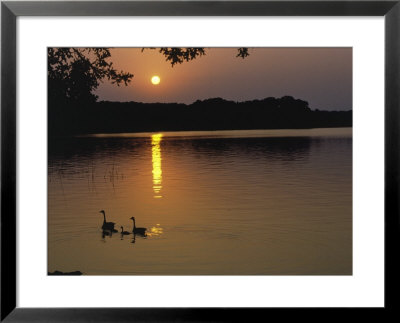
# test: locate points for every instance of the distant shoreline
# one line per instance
(221, 133)
(208, 115)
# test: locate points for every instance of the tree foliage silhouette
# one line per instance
(178, 55)
(73, 73)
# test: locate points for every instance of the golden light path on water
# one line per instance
(156, 160)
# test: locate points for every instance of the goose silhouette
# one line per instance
(139, 231)
(124, 232)
(107, 225)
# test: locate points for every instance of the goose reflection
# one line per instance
(133, 238)
(106, 233)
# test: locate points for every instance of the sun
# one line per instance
(155, 80)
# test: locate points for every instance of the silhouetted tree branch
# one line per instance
(178, 55)
(243, 52)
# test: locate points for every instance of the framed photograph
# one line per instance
(198, 161)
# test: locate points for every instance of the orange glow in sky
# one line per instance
(321, 76)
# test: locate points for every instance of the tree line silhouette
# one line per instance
(211, 114)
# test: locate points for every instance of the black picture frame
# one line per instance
(10, 10)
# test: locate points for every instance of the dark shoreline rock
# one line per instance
(60, 273)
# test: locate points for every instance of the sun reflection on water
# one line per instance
(156, 159)
(155, 231)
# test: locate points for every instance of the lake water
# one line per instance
(250, 202)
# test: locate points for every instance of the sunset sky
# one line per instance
(321, 76)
